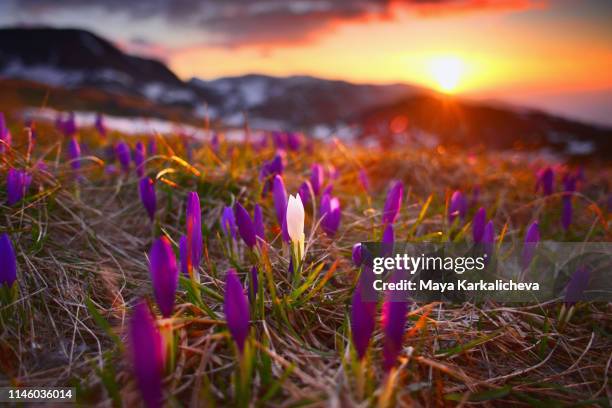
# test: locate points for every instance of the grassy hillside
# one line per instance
(82, 239)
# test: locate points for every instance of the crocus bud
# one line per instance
(532, 237)
(74, 152)
(236, 308)
(294, 141)
(364, 180)
(546, 180)
(100, 125)
(5, 135)
(316, 178)
(331, 213)
(478, 224)
(193, 219)
(280, 198)
(363, 317)
(139, 158)
(146, 188)
(357, 254)
(329, 189)
(228, 222)
(17, 185)
(393, 322)
(147, 352)
(151, 147)
(269, 170)
(122, 150)
(245, 225)
(8, 263)
(295, 222)
(577, 285)
(388, 235)
(279, 140)
(258, 222)
(215, 143)
(305, 192)
(164, 275)
(457, 207)
(488, 238)
(69, 125)
(393, 204)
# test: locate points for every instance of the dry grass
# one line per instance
(90, 242)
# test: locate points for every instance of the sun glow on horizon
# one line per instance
(447, 72)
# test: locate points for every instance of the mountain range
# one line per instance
(92, 72)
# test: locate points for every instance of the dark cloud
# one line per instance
(265, 22)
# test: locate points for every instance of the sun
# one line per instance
(446, 72)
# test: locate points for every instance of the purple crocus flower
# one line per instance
(357, 254)
(74, 152)
(146, 188)
(546, 180)
(388, 235)
(245, 225)
(569, 184)
(363, 321)
(184, 255)
(364, 180)
(111, 169)
(193, 219)
(279, 194)
(294, 141)
(214, 143)
(122, 150)
(269, 170)
(164, 275)
(578, 283)
(488, 238)
(253, 284)
(258, 222)
(331, 213)
(329, 189)
(228, 222)
(332, 172)
(457, 207)
(305, 192)
(8, 262)
(393, 204)
(316, 178)
(279, 140)
(532, 237)
(139, 158)
(393, 322)
(236, 308)
(100, 125)
(5, 135)
(146, 346)
(17, 185)
(478, 224)
(69, 125)
(152, 147)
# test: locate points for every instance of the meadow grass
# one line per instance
(82, 258)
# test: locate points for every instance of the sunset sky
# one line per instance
(554, 54)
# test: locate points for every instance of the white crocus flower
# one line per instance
(295, 223)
